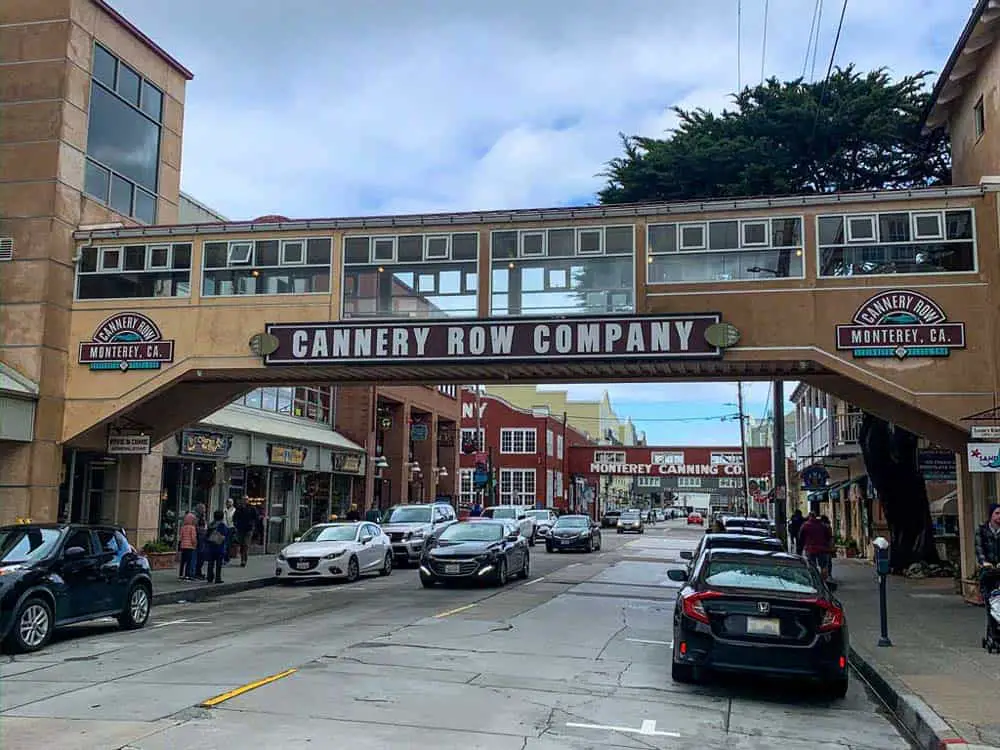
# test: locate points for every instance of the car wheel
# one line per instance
(682, 672)
(526, 567)
(136, 612)
(620, 531)
(32, 627)
(426, 582)
(590, 545)
(353, 571)
(387, 565)
(548, 548)
(501, 577)
(837, 690)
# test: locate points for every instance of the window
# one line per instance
(609, 457)
(896, 242)
(134, 272)
(688, 483)
(647, 481)
(411, 276)
(671, 458)
(517, 486)
(469, 438)
(979, 117)
(123, 138)
(730, 483)
(518, 440)
(726, 459)
(549, 438)
(550, 487)
(267, 266)
(532, 244)
(315, 404)
(559, 446)
(725, 250)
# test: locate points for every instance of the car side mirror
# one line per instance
(687, 554)
(297, 539)
(678, 575)
(366, 538)
(74, 553)
(513, 536)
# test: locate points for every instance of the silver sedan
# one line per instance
(336, 550)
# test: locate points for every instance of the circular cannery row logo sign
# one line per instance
(900, 324)
(126, 341)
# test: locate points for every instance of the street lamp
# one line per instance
(380, 462)
(442, 471)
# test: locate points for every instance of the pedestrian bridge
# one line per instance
(887, 300)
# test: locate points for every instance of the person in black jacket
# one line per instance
(988, 546)
(245, 520)
(215, 546)
(794, 527)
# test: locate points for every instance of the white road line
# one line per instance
(648, 728)
(181, 622)
(573, 565)
(657, 643)
(534, 581)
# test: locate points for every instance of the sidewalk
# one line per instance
(938, 680)
(259, 572)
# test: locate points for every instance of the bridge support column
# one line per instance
(30, 475)
(132, 499)
(425, 454)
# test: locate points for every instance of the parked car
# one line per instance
(631, 520)
(410, 526)
(767, 613)
(574, 532)
(475, 551)
(734, 522)
(517, 514)
(53, 575)
(336, 550)
(696, 519)
(544, 520)
(610, 519)
(731, 541)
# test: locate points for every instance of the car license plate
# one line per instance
(763, 626)
(452, 568)
(303, 565)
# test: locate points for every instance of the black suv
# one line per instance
(59, 574)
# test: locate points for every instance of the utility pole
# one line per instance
(780, 483)
(480, 444)
(743, 448)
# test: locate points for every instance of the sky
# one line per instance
(317, 108)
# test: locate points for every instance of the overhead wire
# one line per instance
(739, 46)
(829, 70)
(763, 44)
(819, 26)
(813, 35)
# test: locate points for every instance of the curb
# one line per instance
(929, 730)
(209, 591)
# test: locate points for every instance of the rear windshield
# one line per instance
(501, 513)
(761, 575)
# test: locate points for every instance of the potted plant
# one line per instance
(161, 556)
(851, 548)
(970, 589)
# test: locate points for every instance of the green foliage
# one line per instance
(867, 136)
(153, 548)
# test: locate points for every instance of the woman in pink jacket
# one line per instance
(189, 547)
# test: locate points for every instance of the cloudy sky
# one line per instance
(343, 107)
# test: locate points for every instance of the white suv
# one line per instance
(517, 513)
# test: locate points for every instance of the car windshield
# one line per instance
(503, 513)
(21, 545)
(541, 515)
(761, 575)
(572, 522)
(403, 514)
(630, 516)
(472, 532)
(345, 533)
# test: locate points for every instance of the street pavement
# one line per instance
(576, 657)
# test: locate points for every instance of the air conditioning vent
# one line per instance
(6, 248)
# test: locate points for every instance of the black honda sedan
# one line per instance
(759, 612)
(574, 532)
(59, 574)
(476, 551)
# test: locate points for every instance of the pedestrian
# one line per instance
(988, 547)
(201, 523)
(229, 512)
(830, 548)
(373, 515)
(477, 510)
(814, 541)
(215, 545)
(188, 546)
(245, 520)
(794, 526)
(353, 514)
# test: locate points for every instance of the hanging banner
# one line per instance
(984, 458)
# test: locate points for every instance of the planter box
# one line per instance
(161, 560)
(847, 551)
(970, 592)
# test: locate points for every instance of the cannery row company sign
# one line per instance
(703, 461)
(639, 337)
(901, 324)
(710, 470)
(126, 341)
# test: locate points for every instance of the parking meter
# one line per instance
(881, 545)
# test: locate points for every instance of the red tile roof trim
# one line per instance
(160, 52)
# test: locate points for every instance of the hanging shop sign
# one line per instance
(937, 466)
(638, 337)
(129, 444)
(986, 433)
(418, 432)
(984, 458)
(126, 341)
(207, 444)
(347, 463)
(815, 477)
(900, 324)
(286, 455)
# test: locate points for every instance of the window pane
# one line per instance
(959, 225)
(464, 246)
(152, 101)
(104, 66)
(663, 238)
(135, 258)
(121, 138)
(723, 235)
(410, 248)
(504, 245)
(561, 243)
(128, 84)
(786, 232)
(159, 257)
(145, 207)
(618, 240)
(96, 181)
(121, 195)
(356, 250)
(894, 227)
(755, 233)
(266, 253)
(216, 254)
(318, 251)
(88, 259)
(831, 230)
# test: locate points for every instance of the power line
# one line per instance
(739, 46)
(813, 34)
(819, 26)
(829, 69)
(763, 46)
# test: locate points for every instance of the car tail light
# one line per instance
(693, 606)
(833, 616)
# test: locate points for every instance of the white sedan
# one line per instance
(336, 550)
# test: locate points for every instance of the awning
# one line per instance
(243, 419)
(946, 505)
(14, 383)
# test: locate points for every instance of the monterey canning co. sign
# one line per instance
(901, 324)
(639, 337)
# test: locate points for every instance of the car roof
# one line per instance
(60, 526)
(573, 515)
(327, 524)
(727, 536)
(755, 554)
(486, 519)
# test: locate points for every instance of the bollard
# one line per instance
(881, 546)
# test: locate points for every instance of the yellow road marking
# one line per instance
(212, 702)
(454, 611)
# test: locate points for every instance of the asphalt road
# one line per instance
(576, 657)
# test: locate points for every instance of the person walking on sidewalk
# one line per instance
(814, 541)
(794, 527)
(988, 547)
(188, 546)
(245, 519)
(201, 524)
(228, 512)
(831, 548)
(215, 545)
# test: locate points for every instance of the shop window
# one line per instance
(134, 271)
(251, 267)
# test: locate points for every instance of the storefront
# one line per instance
(294, 475)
